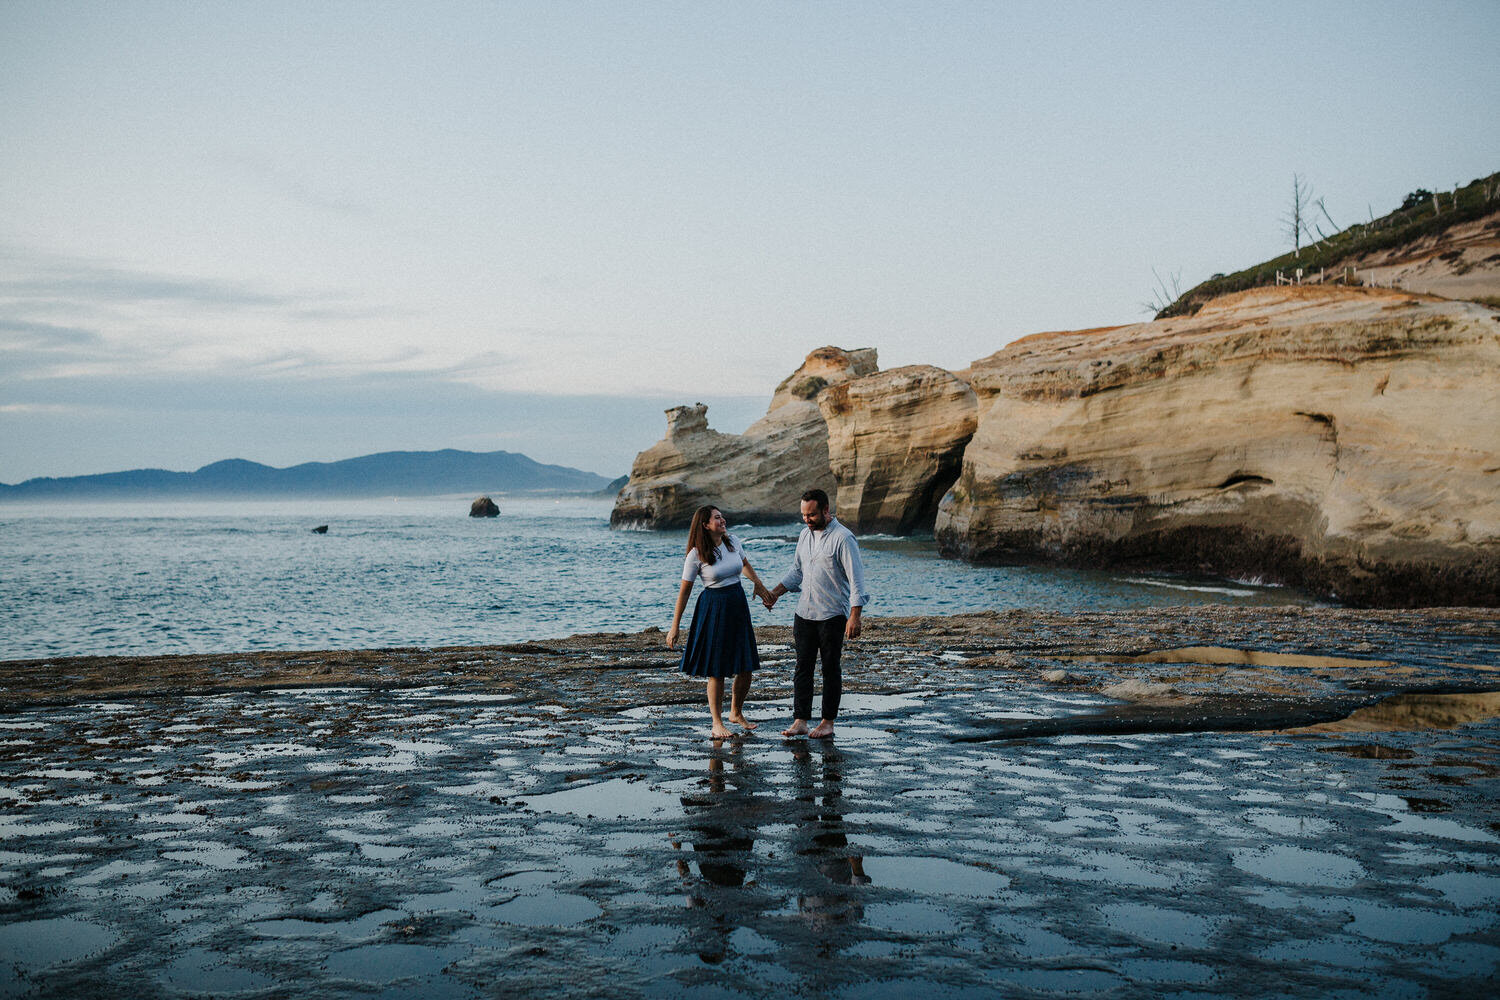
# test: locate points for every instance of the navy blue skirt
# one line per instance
(720, 641)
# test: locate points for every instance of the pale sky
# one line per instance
(306, 231)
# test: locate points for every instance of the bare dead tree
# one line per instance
(1324, 209)
(1296, 220)
(1164, 293)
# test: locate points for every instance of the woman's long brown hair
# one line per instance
(700, 539)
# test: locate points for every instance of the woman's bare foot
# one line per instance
(738, 718)
(720, 733)
(823, 731)
(797, 728)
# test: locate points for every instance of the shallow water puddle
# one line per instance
(616, 798)
(1159, 923)
(911, 918)
(867, 704)
(382, 963)
(933, 876)
(1298, 866)
(36, 944)
(546, 909)
(353, 929)
(201, 971)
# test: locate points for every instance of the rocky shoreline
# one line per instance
(1244, 668)
(1023, 803)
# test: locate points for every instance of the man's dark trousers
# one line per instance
(812, 639)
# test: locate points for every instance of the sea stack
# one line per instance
(483, 507)
(759, 475)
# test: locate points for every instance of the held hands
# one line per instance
(770, 597)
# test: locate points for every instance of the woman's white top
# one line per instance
(725, 571)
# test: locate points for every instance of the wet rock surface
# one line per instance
(550, 818)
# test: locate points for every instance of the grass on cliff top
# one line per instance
(1404, 225)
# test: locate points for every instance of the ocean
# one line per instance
(225, 576)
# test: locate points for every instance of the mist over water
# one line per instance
(157, 578)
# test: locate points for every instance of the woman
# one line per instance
(720, 640)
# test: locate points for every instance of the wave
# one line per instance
(1198, 588)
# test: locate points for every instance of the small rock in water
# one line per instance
(321, 529)
(1061, 677)
(483, 507)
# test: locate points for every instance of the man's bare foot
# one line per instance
(797, 728)
(720, 733)
(822, 732)
(739, 719)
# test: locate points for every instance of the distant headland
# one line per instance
(404, 473)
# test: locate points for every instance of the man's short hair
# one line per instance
(816, 496)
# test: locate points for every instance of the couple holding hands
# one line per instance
(825, 570)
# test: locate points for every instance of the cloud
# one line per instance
(36, 282)
(36, 408)
(61, 316)
(33, 281)
(19, 334)
(29, 348)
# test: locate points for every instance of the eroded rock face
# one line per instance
(755, 476)
(1342, 439)
(895, 445)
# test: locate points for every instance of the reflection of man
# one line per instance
(827, 571)
(827, 845)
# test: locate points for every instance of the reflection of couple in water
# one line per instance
(827, 573)
(718, 847)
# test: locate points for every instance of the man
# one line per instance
(827, 571)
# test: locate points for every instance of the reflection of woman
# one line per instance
(720, 641)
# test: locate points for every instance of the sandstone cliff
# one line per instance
(895, 445)
(1343, 439)
(755, 476)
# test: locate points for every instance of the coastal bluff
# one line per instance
(755, 476)
(1341, 439)
(1345, 440)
